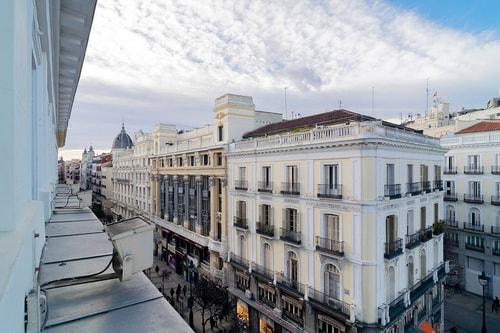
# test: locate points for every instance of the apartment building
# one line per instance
(334, 226)
(131, 174)
(472, 204)
(189, 185)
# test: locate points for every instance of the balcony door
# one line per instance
(332, 227)
(332, 281)
(331, 173)
(293, 267)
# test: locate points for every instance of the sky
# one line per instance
(166, 61)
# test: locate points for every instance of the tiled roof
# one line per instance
(304, 123)
(483, 126)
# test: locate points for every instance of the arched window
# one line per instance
(450, 214)
(293, 267)
(474, 217)
(332, 281)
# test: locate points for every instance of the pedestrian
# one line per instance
(495, 305)
(179, 289)
(172, 292)
(184, 289)
(157, 269)
(212, 323)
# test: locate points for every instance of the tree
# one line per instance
(213, 299)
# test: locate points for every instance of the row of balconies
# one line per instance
(472, 170)
(477, 227)
(334, 191)
(472, 198)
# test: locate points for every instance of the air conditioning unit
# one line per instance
(248, 294)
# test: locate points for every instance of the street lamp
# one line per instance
(483, 281)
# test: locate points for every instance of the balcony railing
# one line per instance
(474, 247)
(495, 230)
(474, 227)
(265, 187)
(330, 246)
(330, 191)
(240, 222)
(426, 186)
(438, 185)
(450, 171)
(265, 229)
(268, 273)
(290, 284)
(290, 188)
(295, 318)
(413, 188)
(393, 191)
(473, 170)
(495, 200)
(393, 249)
(241, 185)
(413, 240)
(473, 198)
(450, 197)
(239, 260)
(495, 169)
(290, 235)
(426, 234)
(329, 302)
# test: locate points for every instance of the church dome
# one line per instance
(122, 140)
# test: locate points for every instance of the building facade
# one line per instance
(334, 226)
(472, 205)
(189, 186)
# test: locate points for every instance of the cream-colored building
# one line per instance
(132, 174)
(334, 226)
(189, 186)
(472, 204)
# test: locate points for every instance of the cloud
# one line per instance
(155, 61)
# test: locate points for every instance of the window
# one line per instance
(475, 189)
(291, 217)
(205, 160)
(328, 325)
(450, 163)
(332, 281)
(293, 267)
(332, 227)
(473, 162)
(410, 223)
(291, 174)
(331, 174)
(268, 257)
(266, 176)
(242, 280)
(191, 161)
(220, 133)
(423, 217)
(409, 170)
(243, 173)
(450, 187)
(424, 173)
(474, 217)
(390, 174)
(437, 172)
(266, 214)
(241, 210)
(179, 162)
(267, 294)
(474, 241)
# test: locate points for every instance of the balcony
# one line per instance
(393, 249)
(330, 191)
(263, 271)
(450, 171)
(438, 185)
(426, 234)
(240, 222)
(450, 197)
(265, 229)
(266, 187)
(474, 247)
(292, 286)
(241, 185)
(413, 188)
(495, 252)
(495, 200)
(438, 228)
(330, 246)
(393, 191)
(495, 230)
(294, 317)
(242, 262)
(473, 198)
(329, 303)
(473, 170)
(413, 240)
(426, 186)
(290, 236)
(290, 188)
(474, 227)
(495, 169)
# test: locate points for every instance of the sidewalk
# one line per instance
(464, 311)
(172, 280)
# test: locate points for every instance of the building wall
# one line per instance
(362, 209)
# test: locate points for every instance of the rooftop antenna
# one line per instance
(286, 108)
(340, 104)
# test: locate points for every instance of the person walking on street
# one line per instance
(172, 292)
(495, 305)
(179, 290)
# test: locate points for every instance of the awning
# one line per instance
(426, 327)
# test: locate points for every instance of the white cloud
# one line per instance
(155, 58)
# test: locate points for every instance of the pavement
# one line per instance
(165, 282)
(465, 312)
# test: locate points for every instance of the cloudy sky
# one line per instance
(165, 61)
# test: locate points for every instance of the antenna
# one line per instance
(340, 104)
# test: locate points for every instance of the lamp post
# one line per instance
(483, 281)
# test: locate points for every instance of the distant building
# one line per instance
(472, 204)
(188, 189)
(86, 169)
(333, 225)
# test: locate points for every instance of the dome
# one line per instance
(122, 140)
